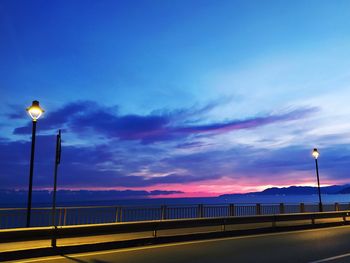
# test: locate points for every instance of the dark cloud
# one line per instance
(14, 113)
(84, 117)
(60, 117)
(87, 117)
(129, 127)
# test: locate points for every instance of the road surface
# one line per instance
(317, 245)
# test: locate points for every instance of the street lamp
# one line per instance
(316, 154)
(34, 112)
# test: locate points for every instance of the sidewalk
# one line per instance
(16, 246)
(28, 249)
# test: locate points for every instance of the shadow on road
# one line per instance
(74, 259)
(83, 261)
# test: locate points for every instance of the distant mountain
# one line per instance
(63, 196)
(300, 190)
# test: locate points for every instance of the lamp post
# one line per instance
(34, 112)
(315, 154)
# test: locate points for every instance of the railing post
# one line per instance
(344, 217)
(336, 207)
(120, 214)
(60, 217)
(232, 210)
(313, 221)
(163, 212)
(274, 221)
(223, 226)
(258, 209)
(200, 211)
(64, 216)
(302, 207)
(117, 214)
(281, 208)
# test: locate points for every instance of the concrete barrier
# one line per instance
(39, 233)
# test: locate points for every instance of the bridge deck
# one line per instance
(75, 241)
(317, 245)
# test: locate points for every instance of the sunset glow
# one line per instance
(186, 99)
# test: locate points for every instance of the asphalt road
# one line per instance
(318, 245)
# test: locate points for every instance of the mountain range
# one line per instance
(299, 190)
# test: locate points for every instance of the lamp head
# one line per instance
(35, 111)
(315, 153)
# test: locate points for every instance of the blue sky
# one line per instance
(203, 97)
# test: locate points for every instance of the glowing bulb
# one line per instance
(35, 111)
(315, 153)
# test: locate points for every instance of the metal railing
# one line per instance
(15, 217)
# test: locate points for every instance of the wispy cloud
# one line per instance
(89, 117)
(249, 123)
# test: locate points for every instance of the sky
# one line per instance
(185, 98)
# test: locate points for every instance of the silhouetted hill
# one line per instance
(300, 190)
(66, 196)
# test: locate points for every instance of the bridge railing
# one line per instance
(158, 228)
(40, 217)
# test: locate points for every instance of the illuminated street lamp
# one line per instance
(316, 154)
(34, 112)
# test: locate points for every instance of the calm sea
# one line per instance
(244, 199)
